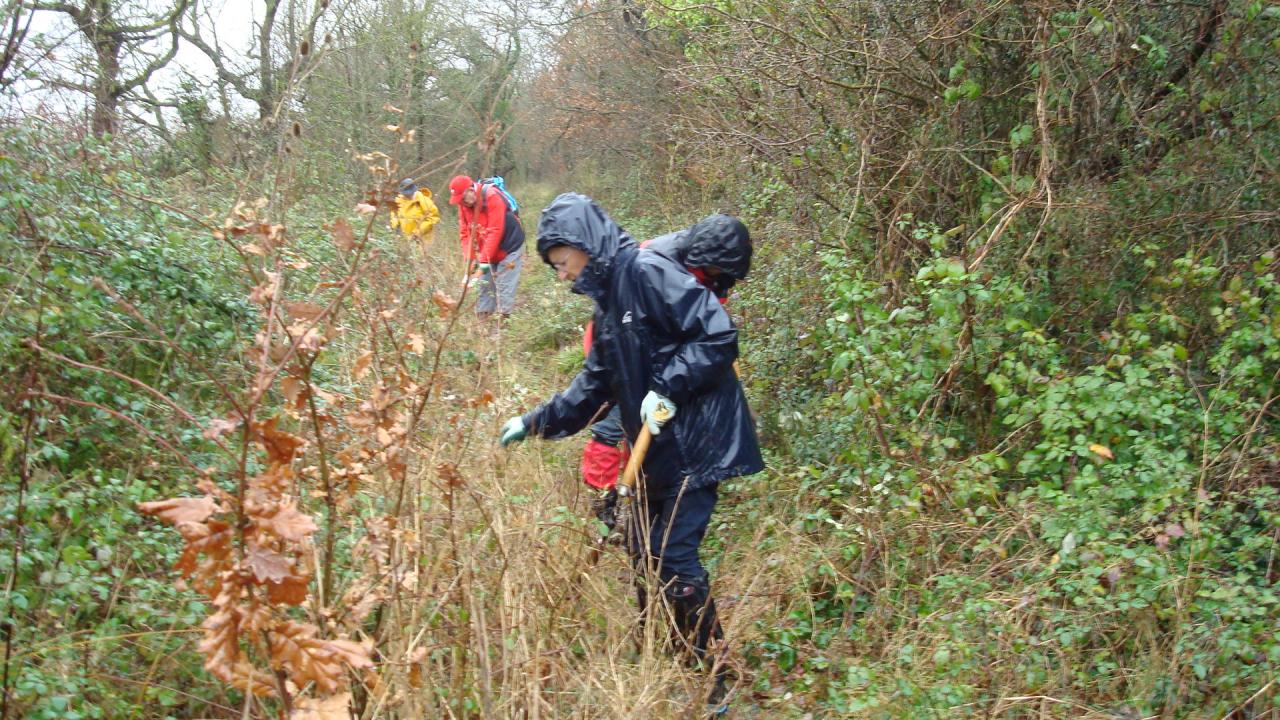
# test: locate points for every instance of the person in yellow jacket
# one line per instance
(416, 214)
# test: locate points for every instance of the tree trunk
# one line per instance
(266, 70)
(106, 97)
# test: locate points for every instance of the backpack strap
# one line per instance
(497, 183)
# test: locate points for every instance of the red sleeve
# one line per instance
(588, 336)
(600, 464)
(495, 218)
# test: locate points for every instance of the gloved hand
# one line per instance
(486, 270)
(656, 411)
(512, 431)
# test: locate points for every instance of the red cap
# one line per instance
(457, 186)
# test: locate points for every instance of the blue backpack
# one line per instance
(501, 185)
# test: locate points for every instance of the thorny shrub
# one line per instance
(248, 537)
(305, 540)
(1124, 509)
(91, 631)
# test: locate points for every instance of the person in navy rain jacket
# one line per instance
(662, 339)
(717, 251)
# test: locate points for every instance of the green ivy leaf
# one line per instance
(74, 554)
(1021, 135)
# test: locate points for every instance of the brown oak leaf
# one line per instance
(485, 399)
(361, 365)
(292, 590)
(267, 565)
(334, 707)
(211, 540)
(182, 510)
(220, 426)
(300, 310)
(221, 649)
(294, 391)
(288, 524)
(448, 472)
(444, 302)
(306, 658)
(417, 344)
(263, 293)
(344, 237)
(280, 445)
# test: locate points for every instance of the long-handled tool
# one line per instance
(630, 475)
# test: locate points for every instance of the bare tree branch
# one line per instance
(216, 55)
(112, 44)
(145, 74)
(13, 42)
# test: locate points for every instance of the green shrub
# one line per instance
(93, 604)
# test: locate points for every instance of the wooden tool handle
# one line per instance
(627, 485)
(628, 482)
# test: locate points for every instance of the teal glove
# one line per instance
(485, 269)
(655, 411)
(512, 431)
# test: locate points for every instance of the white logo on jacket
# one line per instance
(626, 317)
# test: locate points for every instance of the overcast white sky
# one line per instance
(233, 21)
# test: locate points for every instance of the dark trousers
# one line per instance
(668, 532)
(664, 538)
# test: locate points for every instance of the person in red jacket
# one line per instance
(493, 239)
(717, 251)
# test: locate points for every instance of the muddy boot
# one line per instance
(718, 698)
(698, 624)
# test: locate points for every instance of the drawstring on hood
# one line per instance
(578, 222)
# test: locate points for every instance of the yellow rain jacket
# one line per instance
(417, 216)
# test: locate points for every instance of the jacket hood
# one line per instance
(578, 222)
(722, 242)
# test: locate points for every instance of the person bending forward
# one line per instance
(661, 340)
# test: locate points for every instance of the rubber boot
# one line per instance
(699, 624)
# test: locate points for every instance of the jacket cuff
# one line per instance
(662, 388)
(531, 422)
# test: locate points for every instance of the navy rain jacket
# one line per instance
(719, 241)
(656, 328)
